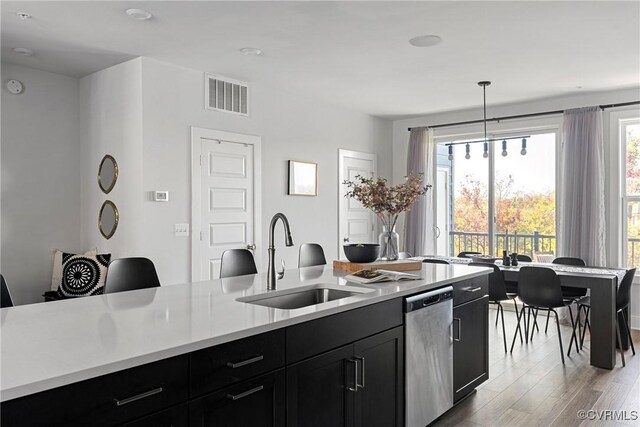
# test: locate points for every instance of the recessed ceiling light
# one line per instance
(251, 51)
(23, 51)
(23, 15)
(139, 14)
(425, 41)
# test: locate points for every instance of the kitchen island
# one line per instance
(175, 333)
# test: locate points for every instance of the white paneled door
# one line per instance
(357, 224)
(226, 198)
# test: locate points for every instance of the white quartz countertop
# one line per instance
(52, 344)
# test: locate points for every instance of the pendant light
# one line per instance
(468, 151)
(484, 85)
(504, 148)
(450, 152)
(524, 147)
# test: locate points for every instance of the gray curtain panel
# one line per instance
(418, 227)
(581, 232)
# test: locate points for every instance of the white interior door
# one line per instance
(442, 211)
(356, 223)
(226, 198)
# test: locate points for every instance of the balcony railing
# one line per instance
(526, 244)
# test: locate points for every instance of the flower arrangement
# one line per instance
(387, 202)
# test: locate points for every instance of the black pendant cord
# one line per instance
(521, 116)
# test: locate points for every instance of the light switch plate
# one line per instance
(181, 230)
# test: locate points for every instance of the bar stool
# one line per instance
(311, 254)
(129, 274)
(5, 296)
(237, 262)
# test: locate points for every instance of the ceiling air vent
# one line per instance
(224, 94)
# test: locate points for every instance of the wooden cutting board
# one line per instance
(399, 265)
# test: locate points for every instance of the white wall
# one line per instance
(40, 178)
(111, 123)
(613, 211)
(291, 127)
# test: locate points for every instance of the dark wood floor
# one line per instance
(531, 387)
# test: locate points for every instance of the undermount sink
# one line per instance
(289, 299)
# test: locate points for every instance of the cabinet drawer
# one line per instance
(225, 364)
(107, 400)
(470, 289)
(320, 335)
(258, 402)
(176, 416)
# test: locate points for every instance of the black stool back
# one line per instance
(311, 254)
(5, 296)
(524, 258)
(237, 262)
(129, 274)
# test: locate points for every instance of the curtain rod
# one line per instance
(521, 116)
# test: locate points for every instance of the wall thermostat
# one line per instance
(161, 196)
(15, 87)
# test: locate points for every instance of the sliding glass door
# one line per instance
(503, 202)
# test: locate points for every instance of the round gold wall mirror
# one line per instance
(108, 219)
(107, 173)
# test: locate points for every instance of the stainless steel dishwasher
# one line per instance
(428, 356)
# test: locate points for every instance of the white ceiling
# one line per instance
(355, 54)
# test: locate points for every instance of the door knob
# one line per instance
(251, 247)
(345, 239)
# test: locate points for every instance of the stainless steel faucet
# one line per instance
(271, 270)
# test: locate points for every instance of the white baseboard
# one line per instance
(635, 322)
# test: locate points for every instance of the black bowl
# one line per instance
(362, 252)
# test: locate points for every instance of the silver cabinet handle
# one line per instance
(473, 289)
(345, 239)
(138, 396)
(251, 247)
(235, 365)
(245, 393)
(437, 231)
(361, 385)
(355, 375)
(459, 329)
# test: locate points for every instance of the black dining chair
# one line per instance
(311, 254)
(539, 289)
(623, 300)
(568, 292)
(465, 254)
(524, 258)
(5, 296)
(130, 274)
(237, 262)
(497, 294)
(404, 255)
(435, 261)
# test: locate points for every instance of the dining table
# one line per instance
(602, 283)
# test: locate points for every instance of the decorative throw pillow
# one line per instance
(56, 277)
(83, 275)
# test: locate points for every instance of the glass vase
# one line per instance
(388, 244)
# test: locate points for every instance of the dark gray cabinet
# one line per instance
(259, 402)
(360, 384)
(470, 346)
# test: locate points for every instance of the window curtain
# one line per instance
(418, 227)
(581, 232)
